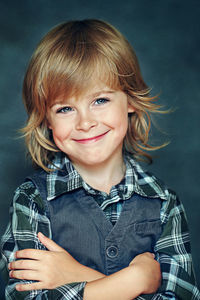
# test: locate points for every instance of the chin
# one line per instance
(90, 161)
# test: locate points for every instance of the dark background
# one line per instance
(166, 38)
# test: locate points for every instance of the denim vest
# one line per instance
(80, 226)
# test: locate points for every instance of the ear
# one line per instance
(131, 109)
(48, 124)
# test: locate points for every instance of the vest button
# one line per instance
(112, 251)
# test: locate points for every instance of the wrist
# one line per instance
(89, 274)
(138, 278)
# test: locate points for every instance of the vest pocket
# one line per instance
(151, 227)
(146, 234)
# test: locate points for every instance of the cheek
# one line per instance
(60, 132)
(61, 137)
(122, 124)
(120, 120)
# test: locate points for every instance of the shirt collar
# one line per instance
(65, 178)
(145, 183)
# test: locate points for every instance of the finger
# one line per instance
(29, 286)
(153, 255)
(23, 265)
(25, 274)
(149, 254)
(30, 253)
(48, 243)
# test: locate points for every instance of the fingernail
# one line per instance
(17, 287)
(10, 274)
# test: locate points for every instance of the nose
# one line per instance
(85, 121)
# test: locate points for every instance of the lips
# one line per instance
(92, 139)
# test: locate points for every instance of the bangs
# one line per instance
(76, 74)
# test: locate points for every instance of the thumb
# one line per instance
(48, 243)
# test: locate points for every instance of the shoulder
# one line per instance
(163, 191)
(27, 195)
(27, 188)
(149, 184)
(171, 206)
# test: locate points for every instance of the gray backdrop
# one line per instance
(165, 35)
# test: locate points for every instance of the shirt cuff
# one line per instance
(71, 291)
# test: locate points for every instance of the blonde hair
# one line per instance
(64, 63)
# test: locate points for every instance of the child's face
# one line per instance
(90, 129)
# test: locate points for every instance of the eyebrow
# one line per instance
(94, 95)
(101, 92)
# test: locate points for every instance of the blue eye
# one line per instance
(64, 109)
(101, 101)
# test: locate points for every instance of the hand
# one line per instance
(50, 268)
(149, 270)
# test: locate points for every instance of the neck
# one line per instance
(103, 176)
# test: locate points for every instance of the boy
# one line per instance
(114, 225)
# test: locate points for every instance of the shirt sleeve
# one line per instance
(27, 218)
(174, 255)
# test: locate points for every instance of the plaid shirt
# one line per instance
(28, 217)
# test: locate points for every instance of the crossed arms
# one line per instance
(142, 276)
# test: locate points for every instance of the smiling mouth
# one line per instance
(92, 139)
